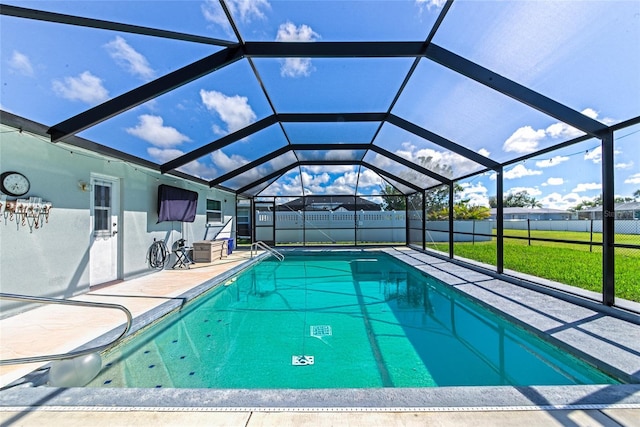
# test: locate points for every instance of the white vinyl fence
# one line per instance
(389, 227)
(622, 226)
(332, 227)
(371, 227)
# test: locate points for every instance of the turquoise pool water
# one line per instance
(337, 320)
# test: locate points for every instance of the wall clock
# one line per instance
(14, 184)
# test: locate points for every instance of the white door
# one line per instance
(105, 213)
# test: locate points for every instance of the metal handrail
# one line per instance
(71, 354)
(263, 245)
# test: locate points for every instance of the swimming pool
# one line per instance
(337, 320)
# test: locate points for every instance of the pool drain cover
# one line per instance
(302, 360)
(320, 331)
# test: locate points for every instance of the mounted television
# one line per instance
(176, 204)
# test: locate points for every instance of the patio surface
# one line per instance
(597, 334)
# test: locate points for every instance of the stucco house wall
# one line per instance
(53, 260)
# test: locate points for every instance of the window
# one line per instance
(214, 211)
(102, 209)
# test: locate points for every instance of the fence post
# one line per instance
(591, 237)
(473, 233)
(529, 230)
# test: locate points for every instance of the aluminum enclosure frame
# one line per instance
(231, 51)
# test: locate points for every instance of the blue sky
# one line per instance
(584, 54)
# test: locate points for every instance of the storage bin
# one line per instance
(209, 250)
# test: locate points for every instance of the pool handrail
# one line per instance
(263, 245)
(71, 354)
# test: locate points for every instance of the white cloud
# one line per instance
(554, 181)
(594, 155)
(234, 111)
(163, 155)
(296, 67)
(532, 191)
(333, 169)
(20, 63)
(129, 59)
(476, 199)
(315, 183)
(248, 9)
(593, 114)
(343, 184)
(212, 12)
(86, 88)
(554, 161)
(198, 169)
(590, 112)
(151, 129)
(633, 179)
(475, 193)
(438, 161)
(628, 165)
(429, 4)
(195, 168)
(368, 179)
(289, 32)
(518, 172)
(346, 183)
(324, 182)
(468, 188)
(562, 130)
(524, 140)
(245, 10)
(226, 163)
(563, 202)
(291, 184)
(582, 187)
(484, 152)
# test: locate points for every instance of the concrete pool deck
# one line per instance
(592, 331)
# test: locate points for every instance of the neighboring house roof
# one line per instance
(332, 203)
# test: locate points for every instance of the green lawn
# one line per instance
(571, 264)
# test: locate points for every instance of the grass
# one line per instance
(572, 264)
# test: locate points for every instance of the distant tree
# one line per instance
(437, 201)
(533, 203)
(624, 199)
(595, 202)
(461, 210)
(434, 198)
(521, 199)
(392, 198)
(586, 204)
(465, 211)
(437, 198)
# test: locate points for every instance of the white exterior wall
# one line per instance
(53, 261)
